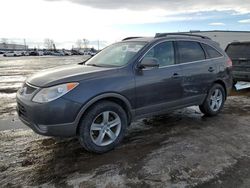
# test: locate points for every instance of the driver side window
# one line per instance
(163, 52)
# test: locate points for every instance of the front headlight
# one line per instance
(53, 93)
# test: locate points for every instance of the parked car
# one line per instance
(58, 53)
(135, 78)
(34, 53)
(12, 54)
(47, 53)
(92, 53)
(85, 53)
(74, 52)
(239, 52)
(25, 53)
(40, 53)
(67, 53)
(89, 53)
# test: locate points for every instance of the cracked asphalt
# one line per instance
(179, 149)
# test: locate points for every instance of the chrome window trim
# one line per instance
(190, 62)
(214, 49)
(180, 64)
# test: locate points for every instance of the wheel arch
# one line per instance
(222, 83)
(114, 97)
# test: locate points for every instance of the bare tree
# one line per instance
(85, 43)
(5, 42)
(79, 43)
(49, 44)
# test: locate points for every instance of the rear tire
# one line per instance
(214, 101)
(103, 127)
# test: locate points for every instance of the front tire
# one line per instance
(214, 101)
(103, 127)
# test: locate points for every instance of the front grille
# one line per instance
(21, 110)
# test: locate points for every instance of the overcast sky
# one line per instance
(65, 21)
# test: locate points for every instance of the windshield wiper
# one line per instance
(93, 64)
(101, 65)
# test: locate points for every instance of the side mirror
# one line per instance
(149, 62)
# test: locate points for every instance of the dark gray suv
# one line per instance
(239, 52)
(135, 78)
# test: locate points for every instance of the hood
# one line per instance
(65, 74)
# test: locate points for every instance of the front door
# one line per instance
(158, 88)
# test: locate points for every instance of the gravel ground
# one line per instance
(180, 149)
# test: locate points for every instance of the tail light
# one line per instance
(229, 63)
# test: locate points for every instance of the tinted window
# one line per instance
(164, 52)
(236, 51)
(212, 53)
(190, 51)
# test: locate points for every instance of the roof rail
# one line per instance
(158, 35)
(128, 38)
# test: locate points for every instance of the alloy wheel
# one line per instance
(216, 100)
(105, 128)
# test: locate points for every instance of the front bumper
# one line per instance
(60, 130)
(56, 118)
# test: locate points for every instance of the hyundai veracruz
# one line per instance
(135, 78)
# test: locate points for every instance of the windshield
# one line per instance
(116, 55)
(236, 51)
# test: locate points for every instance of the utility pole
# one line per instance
(54, 46)
(98, 44)
(24, 44)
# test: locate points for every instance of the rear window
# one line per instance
(190, 51)
(236, 51)
(212, 53)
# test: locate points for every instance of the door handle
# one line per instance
(211, 69)
(176, 75)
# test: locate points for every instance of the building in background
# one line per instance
(225, 37)
(12, 47)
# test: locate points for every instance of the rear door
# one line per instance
(198, 72)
